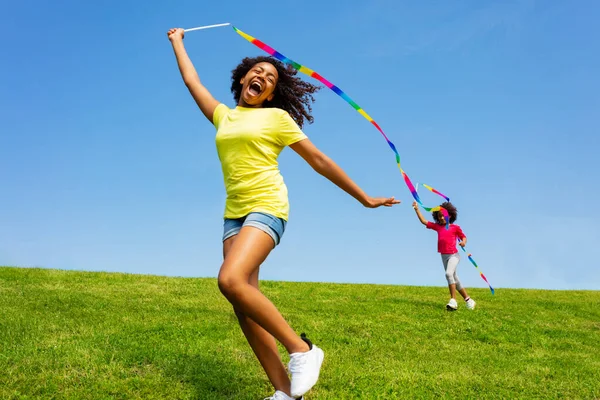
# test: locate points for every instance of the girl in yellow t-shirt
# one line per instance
(272, 105)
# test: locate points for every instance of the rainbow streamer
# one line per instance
(436, 192)
(480, 273)
(307, 71)
(438, 208)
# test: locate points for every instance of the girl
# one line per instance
(447, 248)
(272, 105)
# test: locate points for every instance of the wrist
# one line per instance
(365, 200)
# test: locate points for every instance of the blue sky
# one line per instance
(107, 164)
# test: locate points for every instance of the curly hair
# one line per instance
(292, 94)
(452, 212)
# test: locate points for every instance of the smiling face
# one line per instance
(258, 85)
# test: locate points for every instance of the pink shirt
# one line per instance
(447, 238)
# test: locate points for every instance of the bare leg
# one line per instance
(463, 293)
(452, 288)
(262, 342)
(247, 253)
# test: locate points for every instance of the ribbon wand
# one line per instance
(205, 27)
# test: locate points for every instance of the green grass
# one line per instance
(83, 335)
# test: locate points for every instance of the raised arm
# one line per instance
(330, 170)
(201, 95)
(421, 218)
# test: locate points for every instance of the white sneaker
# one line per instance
(471, 304)
(305, 368)
(452, 305)
(279, 395)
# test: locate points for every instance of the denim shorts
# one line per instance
(267, 223)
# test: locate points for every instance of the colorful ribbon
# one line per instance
(307, 71)
(436, 192)
(438, 208)
(480, 273)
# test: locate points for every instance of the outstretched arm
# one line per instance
(421, 218)
(201, 95)
(330, 170)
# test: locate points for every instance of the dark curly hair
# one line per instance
(292, 94)
(452, 212)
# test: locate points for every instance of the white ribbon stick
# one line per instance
(205, 27)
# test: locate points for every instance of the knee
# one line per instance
(450, 278)
(230, 285)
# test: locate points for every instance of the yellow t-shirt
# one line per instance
(249, 140)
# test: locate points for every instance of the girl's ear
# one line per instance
(271, 96)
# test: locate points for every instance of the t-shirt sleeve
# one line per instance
(459, 233)
(289, 131)
(220, 111)
(432, 225)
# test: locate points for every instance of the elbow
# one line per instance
(190, 81)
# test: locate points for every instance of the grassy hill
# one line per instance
(83, 335)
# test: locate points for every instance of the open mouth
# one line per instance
(255, 88)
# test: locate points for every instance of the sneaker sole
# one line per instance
(450, 308)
